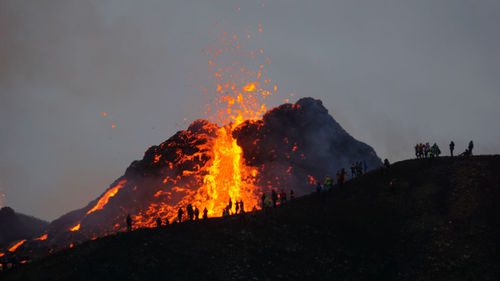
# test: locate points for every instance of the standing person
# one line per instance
(452, 147)
(292, 194)
(471, 146)
(196, 213)
(328, 183)
(190, 212)
(360, 170)
(420, 150)
(205, 213)
(242, 210)
(158, 222)
(353, 171)
(229, 206)
(437, 151)
(263, 197)
(237, 207)
(416, 150)
(427, 149)
(274, 197)
(283, 196)
(179, 215)
(129, 223)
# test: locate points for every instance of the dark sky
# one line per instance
(391, 72)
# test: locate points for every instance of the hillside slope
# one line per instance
(437, 221)
(15, 226)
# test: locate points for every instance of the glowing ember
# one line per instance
(43, 237)
(2, 254)
(249, 88)
(312, 180)
(105, 198)
(13, 248)
(75, 228)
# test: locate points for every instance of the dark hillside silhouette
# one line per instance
(427, 219)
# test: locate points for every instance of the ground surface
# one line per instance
(438, 221)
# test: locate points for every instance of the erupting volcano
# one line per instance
(238, 153)
(290, 147)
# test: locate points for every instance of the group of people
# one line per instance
(358, 168)
(276, 197)
(426, 150)
(239, 208)
(192, 213)
(329, 182)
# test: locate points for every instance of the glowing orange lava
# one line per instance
(75, 228)
(105, 198)
(43, 237)
(13, 248)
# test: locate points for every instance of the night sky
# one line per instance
(391, 72)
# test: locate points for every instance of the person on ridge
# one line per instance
(328, 183)
(436, 150)
(268, 203)
(318, 188)
(452, 147)
(292, 194)
(179, 214)
(427, 149)
(242, 211)
(237, 207)
(196, 213)
(190, 212)
(283, 196)
(158, 222)
(129, 223)
(274, 197)
(205, 213)
(229, 206)
(263, 197)
(471, 146)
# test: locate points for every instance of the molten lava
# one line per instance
(17, 245)
(105, 198)
(75, 228)
(41, 238)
